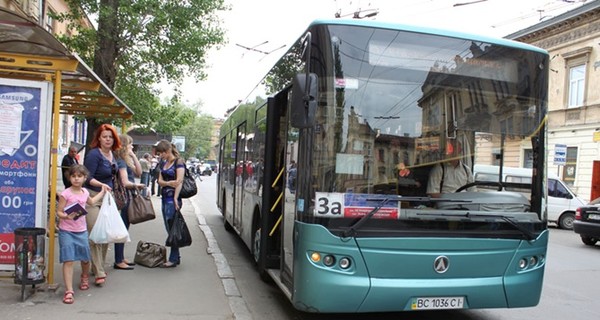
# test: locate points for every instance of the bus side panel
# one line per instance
(523, 288)
(318, 288)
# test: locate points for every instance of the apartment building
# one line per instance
(40, 11)
(573, 42)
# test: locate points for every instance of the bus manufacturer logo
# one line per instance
(441, 264)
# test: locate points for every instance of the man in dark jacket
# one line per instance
(68, 160)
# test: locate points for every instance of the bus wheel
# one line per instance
(588, 240)
(256, 245)
(566, 221)
(227, 225)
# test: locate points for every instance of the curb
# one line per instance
(236, 301)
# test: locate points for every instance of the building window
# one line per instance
(527, 158)
(50, 21)
(576, 86)
(570, 169)
(576, 63)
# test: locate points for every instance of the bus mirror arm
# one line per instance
(304, 100)
(304, 91)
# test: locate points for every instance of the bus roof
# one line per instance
(428, 30)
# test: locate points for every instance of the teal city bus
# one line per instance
(325, 170)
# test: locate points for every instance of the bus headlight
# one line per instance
(344, 263)
(523, 263)
(533, 261)
(315, 257)
(328, 260)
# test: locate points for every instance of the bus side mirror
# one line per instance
(304, 100)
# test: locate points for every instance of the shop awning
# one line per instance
(28, 52)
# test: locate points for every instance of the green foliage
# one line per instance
(145, 42)
(284, 71)
(198, 134)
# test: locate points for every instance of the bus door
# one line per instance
(273, 226)
(239, 165)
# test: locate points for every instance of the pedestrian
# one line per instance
(129, 167)
(68, 160)
(145, 163)
(172, 169)
(73, 234)
(102, 165)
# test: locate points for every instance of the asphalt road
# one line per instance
(570, 287)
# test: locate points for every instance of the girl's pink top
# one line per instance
(78, 225)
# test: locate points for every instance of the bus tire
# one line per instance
(257, 254)
(566, 220)
(226, 223)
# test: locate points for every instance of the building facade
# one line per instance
(71, 130)
(573, 43)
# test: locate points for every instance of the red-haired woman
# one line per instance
(102, 165)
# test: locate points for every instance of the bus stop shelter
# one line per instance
(28, 52)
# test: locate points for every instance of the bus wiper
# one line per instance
(527, 233)
(352, 230)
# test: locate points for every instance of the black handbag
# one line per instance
(140, 207)
(149, 254)
(179, 234)
(188, 188)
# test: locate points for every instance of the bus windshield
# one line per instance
(396, 104)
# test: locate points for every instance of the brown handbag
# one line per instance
(140, 207)
(149, 254)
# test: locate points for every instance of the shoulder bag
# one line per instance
(188, 188)
(140, 207)
(119, 192)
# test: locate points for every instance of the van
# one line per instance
(562, 201)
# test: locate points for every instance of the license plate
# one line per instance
(435, 303)
(593, 216)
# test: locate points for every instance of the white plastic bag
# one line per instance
(109, 227)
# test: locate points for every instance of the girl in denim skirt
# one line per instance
(73, 235)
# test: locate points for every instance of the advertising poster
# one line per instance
(24, 160)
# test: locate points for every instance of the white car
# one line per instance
(205, 169)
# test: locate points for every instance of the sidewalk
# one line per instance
(201, 287)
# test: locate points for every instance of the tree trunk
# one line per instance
(106, 52)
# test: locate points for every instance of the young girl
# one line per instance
(73, 235)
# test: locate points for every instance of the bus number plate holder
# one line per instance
(437, 303)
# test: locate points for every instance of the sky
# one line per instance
(271, 26)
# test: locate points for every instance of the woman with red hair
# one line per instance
(102, 165)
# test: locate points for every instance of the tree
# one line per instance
(140, 42)
(198, 134)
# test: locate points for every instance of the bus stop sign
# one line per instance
(560, 154)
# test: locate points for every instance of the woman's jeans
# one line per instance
(145, 178)
(120, 247)
(168, 212)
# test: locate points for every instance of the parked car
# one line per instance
(213, 165)
(587, 222)
(562, 201)
(205, 169)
